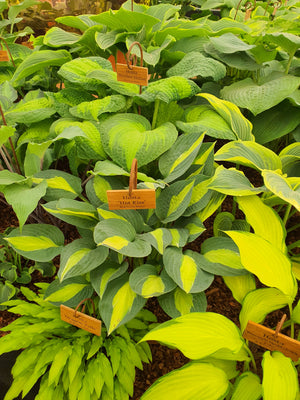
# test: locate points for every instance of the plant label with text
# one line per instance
(4, 55)
(137, 75)
(81, 320)
(267, 338)
(139, 199)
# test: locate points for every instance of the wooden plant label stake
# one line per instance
(137, 75)
(132, 199)
(79, 319)
(4, 55)
(272, 340)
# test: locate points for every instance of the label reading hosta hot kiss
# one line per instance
(138, 200)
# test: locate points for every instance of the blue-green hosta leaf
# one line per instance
(30, 111)
(159, 238)
(119, 303)
(92, 109)
(74, 212)
(232, 182)
(80, 257)
(186, 269)
(199, 335)
(241, 127)
(179, 237)
(195, 64)
(258, 303)
(109, 78)
(168, 89)
(258, 98)
(37, 61)
(289, 156)
(194, 380)
(247, 387)
(147, 282)
(215, 201)
(281, 187)
(129, 136)
(132, 216)
(270, 227)
(240, 285)
(180, 156)
(7, 291)
(173, 201)
(120, 235)
(39, 242)
(178, 302)
(57, 37)
(200, 195)
(250, 154)
(107, 272)
(280, 378)
(266, 261)
(69, 292)
(193, 225)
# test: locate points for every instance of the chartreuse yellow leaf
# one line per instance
(30, 243)
(122, 303)
(193, 381)
(247, 387)
(266, 261)
(73, 260)
(59, 183)
(152, 284)
(178, 199)
(240, 285)
(280, 378)
(183, 301)
(115, 242)
(66, 292)
(270, 227)
(188, 272)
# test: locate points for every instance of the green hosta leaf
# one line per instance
(7, 90)
(180, 156)
(281, 187)
(57, 37)
(39, 242)
(200, 195)
(173, 201)
(8, 271)
(92, 109)
(240, 286)
(178, 302)
(120, 235)
(258, 303)
(131, 216)
(195, 64)
(107, 39)
(179, 237)
(199, 335)
(230, 43)
(24, 199)
(107, 272)
(231, 114)
(250, 154)
(119, 303)
(159, 238)
(5, 133)
(232, 182)
(194, 380)
(74, 212)
(267, 262)
(7, 291)
(69, 292)
(81, 22)
(30, 111)
(109, 78)
(260, 97)
(193, 225)
(287, 41)
(80, 257)
(270, 227)
(290, 156)
(36, 133)
(247, 387)
(38, 60)
(185, 269)
(296, 313)
(129, 136)
(280, 380)
(66, 98)
(34, 157)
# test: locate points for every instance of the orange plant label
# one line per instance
(80, 320)
(4, 55)
(139, 199)
(268, 339)
(137, 75)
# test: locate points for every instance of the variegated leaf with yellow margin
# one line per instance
(159, 238)
(201, 195)
(178, 302)
(271, 266)
(146, 281)
(249, 153)
(105, 273)
(185, 269)
(132, 216)
(119, 303)
(80, 257)
(247, 387)
(240, 285)
(214, 203)
(204, 161)
(120, 235)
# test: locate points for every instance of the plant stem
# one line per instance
(287, 213)
(292, 322)
(251, 357)
(10, 142)
(156, 105)
(5, 160)
(289, 62)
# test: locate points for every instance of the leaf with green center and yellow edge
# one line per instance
(178, 302)
(173, 201)
(280, 378)
(199, 335)
(250, 154)
(266, 261)
(159, 238)
(240, 285)
(258, 303)
(129, 136)
(215, 201)
(281, 187)
(194, 380)
(247, 387)
(200, 195)
(119, 303)
(39, 242)
(80, 257)
(185, 269)
(131, 216)
(107, 272)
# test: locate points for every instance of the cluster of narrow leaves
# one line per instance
(67, 362)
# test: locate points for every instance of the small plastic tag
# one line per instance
(138, 200)
(81, 320)
(137, 75)
(272, 340)
(4, 55)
